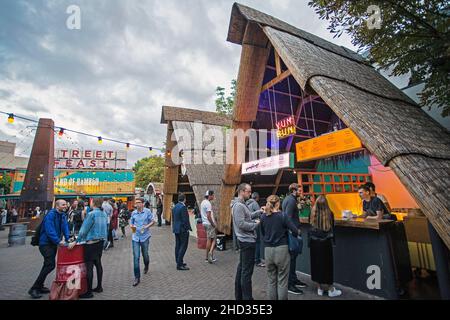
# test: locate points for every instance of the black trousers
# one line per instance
(49, 254)
(159, 214)
(110, 236)
(181, 244)
(243, 281)
(292, 274)
(93, 257)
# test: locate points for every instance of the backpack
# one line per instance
(77, 216)
(37, 232)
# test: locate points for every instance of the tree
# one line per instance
(225, 105)
(5, 183)
(150, 169)
(412, 38)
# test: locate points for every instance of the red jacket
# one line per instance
(115, 219)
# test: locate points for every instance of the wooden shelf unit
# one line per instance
(337, 182)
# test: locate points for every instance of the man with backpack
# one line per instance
(48, 236)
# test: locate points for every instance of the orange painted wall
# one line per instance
(390, 186)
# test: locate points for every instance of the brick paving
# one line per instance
(20, 265)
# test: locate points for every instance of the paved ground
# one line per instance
(20, 265)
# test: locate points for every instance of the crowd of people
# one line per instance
(96, 228)
(273, 229)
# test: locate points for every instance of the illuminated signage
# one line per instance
(328, 145)
(285, 127)
(90, 159)
(285, 160)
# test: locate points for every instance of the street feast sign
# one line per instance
(87, 159)
(285, 160)
(328, 145)
(286, 127)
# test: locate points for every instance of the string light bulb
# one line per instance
(61, 132)
(100, 140)
(128, 145)
(11, 118)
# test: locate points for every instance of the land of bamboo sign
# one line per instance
(328, 145)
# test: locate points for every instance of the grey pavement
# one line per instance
(20, 265)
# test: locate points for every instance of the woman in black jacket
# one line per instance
(321, 239)
(274, 231)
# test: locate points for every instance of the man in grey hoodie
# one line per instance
(245, 223)
(253, 205)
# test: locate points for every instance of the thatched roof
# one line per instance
(390, 125)
(190, 115)
(205, 175)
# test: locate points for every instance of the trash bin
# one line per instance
(220, 242)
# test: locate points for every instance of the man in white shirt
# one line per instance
(209, 223)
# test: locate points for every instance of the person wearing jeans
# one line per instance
(93, 233)
(53, 228)
(289, 207)
(244, 223)
(141, 221)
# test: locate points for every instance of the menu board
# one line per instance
(328, 145)
(285, 160)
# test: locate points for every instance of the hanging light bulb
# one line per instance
(11, 118)
(128, 146)
(100, 140)
(61, 132)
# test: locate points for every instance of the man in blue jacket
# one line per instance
(53, 228)
(181, 228)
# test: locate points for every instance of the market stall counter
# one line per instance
(369, 255)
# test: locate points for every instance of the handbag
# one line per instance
(295, 244)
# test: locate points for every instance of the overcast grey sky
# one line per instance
(130, 57)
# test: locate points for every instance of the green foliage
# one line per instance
(5, 182)
(413, 39)
(150, 169)
(225, 105)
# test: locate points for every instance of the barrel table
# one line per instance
(201, 236)
(67, 262)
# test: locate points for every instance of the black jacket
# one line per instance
(180, 218)
(289, 206)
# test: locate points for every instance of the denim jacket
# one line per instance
(95, 226)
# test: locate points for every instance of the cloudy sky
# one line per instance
(129, 58)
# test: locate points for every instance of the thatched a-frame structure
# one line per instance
(389, 124)
(199, 177)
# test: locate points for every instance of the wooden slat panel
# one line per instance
(227, 193)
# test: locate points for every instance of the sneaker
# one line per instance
(206, 260)
(214, 259)
(136, 282)
(320, 292)
(300, 284)
(98, 290)
(34, 293)
(86, 295)
(334, 293)
(261, 264)
(294, 290)
(108, 244)
(210, 258)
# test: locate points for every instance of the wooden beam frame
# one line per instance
(276, 80)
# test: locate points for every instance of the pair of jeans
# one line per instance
(139, 247)
(159, 214)
(181, 244)
(93, 257)
(259, 245)
(243, 281)
(49, 254)
(292, 269)
(277, 264)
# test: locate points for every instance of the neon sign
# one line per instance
(286, 127)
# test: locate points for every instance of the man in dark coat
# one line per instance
(181, 228)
